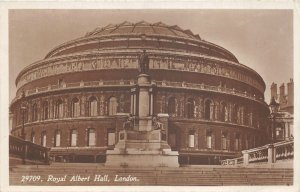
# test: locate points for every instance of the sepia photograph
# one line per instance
(151, 97)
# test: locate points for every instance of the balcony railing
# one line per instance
(270, 153)
(27, 151)
(131, 82)
(209, 88)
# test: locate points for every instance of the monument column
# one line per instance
(144, 97)
(142, 139)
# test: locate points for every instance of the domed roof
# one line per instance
(143, 27)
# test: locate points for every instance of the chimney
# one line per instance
(281, 93)
(274, 90)
(290, 86)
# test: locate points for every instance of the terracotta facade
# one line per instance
(215, 104)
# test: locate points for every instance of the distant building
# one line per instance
(285, 100)
(285, 116)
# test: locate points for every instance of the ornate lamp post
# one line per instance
(274, 109)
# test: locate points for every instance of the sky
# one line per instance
(260, 39)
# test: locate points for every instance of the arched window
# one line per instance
(235, 114)
(254, 118)
(237, 142)
(73, 137)
(57, 138)
(190, 108)
(32, 139)
(45, 110)
(24, 114)
(93, 106)
(43, 139)
(172, 106)
(224, 141)
(91, 137)
(59, 109)
(250, 118)
(207, 110)
(112, 106)
(75, 110)
(223, 112)
(209, 139)
(246, 114)
(34, 112)
(241, 115)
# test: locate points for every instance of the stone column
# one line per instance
(65, 107)
(229, 112)
(102, 107)
(163, 104)
(52, 108)
(182, 107)
(122, 103)
(39, 110)
(82, 106)
(286, 131)
(133, 101)
(151, 101)
(200, 108)
(245, 157)
(131, 104)
(271, 154)
(290, 129)
(143, 103)
(216, 111)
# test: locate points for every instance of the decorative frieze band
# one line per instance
(130, 62)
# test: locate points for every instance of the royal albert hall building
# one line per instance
(69, 101)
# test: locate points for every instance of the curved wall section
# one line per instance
(71, 101)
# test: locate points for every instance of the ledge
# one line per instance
(130, 83)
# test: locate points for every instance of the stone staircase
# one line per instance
(193, 175)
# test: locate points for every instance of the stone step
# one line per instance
(182, 170)
(199, 176)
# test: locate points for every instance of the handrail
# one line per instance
(269, 153)
(234, 161)
(27, 150)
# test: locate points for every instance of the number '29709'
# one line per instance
(30, 178)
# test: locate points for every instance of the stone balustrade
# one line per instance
(27, 152)
(210, 88)
(270, 153)
(234, 161)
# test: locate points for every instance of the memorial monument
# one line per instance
(142, 140)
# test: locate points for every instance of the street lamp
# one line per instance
(274, 109)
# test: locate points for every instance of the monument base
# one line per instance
(141, 149)
(141, 159)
